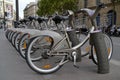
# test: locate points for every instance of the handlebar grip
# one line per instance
(101, 5)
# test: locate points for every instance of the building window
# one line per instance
(83, 19)
(1, 3)
(115, 0)
(10, 0)
(0, 9)
(97, 2)
(111, 17)
(85, 3)
(9, 10)
(98, 20)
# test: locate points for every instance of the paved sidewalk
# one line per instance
(13, 67)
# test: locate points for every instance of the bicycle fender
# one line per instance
(56, 37)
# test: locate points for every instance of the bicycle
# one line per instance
(42, 48)
(82, 33)
(30, 32)
(24, 39)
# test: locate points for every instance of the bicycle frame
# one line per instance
(94, 27)
(69, 49)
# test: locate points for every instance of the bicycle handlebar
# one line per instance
(91, 13)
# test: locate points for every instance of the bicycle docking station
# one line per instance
(97, 41)
(51, 46)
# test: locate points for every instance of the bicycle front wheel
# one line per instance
(38, 55)
(109, 45)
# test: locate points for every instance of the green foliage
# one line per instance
(48, 7)
(115, 0)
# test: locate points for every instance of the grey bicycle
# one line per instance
(48, 52)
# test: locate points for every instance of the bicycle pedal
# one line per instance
(57, 61)
(76, 66)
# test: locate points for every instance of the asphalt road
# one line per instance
(13, 67)
(116, 48)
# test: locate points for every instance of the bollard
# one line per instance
(97, 40)
(73, 38)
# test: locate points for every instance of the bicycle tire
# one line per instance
(20, 45)
(16, 40)
(41, 68)
(109, 48)
(13, 37)
(6, 33)
(10, 37)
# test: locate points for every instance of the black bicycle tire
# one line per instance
(19, 43)
(92, 57)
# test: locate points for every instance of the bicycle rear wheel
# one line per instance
(85, 48)
(38, 55)
(109, 45)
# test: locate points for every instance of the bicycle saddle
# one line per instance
(21, 21)
(88, 11)
(40, 19)
(25, 20)
(57, 19)
(16, 22)
(31, 18)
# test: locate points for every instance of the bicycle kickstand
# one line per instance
(74, 54)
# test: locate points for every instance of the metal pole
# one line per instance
(4, 9)
(4, 14)
(73, 38)
(17, 10)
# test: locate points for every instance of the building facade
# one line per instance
(108, 16)
(7, 8)
(36, 0)
(30, 10)
(6, 11)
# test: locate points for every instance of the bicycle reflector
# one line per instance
(48, 39)
(47, 66)
(24, 45)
